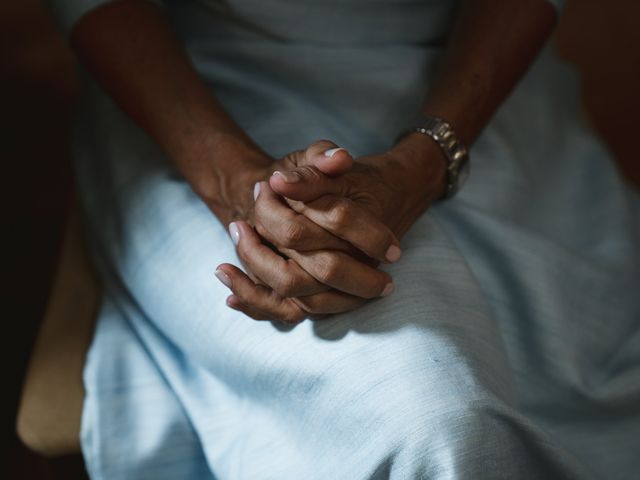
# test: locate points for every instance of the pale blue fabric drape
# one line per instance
(510, 348)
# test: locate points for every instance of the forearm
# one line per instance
(491, 46)
(129, 47)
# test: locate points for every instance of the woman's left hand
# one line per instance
(394, 187)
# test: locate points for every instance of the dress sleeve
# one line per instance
(67, 12)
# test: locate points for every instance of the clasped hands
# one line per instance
(320, 225)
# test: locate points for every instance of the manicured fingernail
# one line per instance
(388, 290)
(393, 254)
(331, 151)
(288, 177)
(234, 232)
(256, 191)
(223, 277)
(231, 299)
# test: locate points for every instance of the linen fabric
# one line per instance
(510, 348)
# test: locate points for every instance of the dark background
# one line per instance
(37, 94)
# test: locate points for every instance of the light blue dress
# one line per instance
(510, 348)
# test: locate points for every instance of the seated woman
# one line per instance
(494, 334)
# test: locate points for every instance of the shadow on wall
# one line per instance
(37, 95)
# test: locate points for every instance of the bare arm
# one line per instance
(129, 47)
(492, 45)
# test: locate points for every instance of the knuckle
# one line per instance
(293, 159)
(320, 144)
(379, 241)
(308, 172)
(328, 268)
(339, 214)
(259, 209)
(286, 286)
(307, 306)
(293, 316)
(293, 235)
(263, 232)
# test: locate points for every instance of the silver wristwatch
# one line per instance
(455, 152)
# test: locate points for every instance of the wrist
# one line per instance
(421, 173)
(414, 173)
(222, 169)
(420, 167)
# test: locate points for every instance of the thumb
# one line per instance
(305, 184)
(316, 165)
(326, 156)
(333, 161)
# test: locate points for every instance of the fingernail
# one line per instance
(331, 151)
(223, 277)
(234, 232)
(288, 177)
(256, 191)
(393, 254)
(388, 289)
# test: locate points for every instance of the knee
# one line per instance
(476, 439)
(436, 418)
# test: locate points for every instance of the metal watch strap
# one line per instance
(455, 152)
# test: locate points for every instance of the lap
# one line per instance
(449, 374)
(410, 384)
